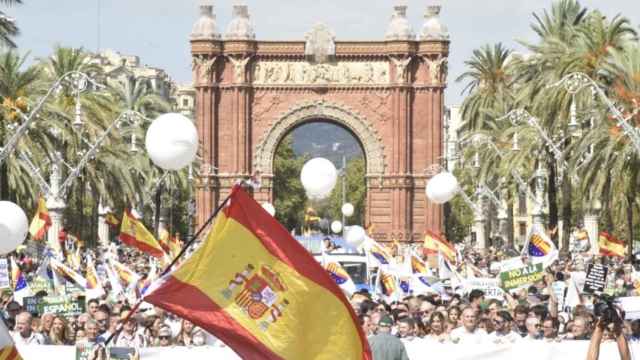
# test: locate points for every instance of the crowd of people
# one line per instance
(451, 315)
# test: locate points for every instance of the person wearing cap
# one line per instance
(164, 336)
(385, 346)
(129, 337)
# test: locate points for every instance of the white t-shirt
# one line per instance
(508, 338)
(462, 336)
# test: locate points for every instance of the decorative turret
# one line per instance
(433, 29)
(240, 27)
(205, 28)
(399, 27)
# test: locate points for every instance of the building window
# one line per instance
(522, 232)
(185, 102)
(522, 204)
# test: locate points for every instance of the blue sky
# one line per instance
(157, 30)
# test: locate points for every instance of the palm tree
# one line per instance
(8, 27)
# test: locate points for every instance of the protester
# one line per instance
(385, 346)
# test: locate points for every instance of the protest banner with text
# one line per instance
(525, 276)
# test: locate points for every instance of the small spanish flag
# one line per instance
(434, 243)
(252, 285)
(41, 221)
(112, 220)
(387, 283)
(611, 246)
(133, 233)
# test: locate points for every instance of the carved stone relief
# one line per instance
(401, 68)
(203, 66)
(372, 143)
(438, 70)
(264, 104)
(239, 68)
(304, 73)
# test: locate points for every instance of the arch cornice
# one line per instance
(318, 110)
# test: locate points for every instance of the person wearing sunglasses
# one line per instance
(502, 325)
(164, 336)
(534, 329)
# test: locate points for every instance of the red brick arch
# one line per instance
(249, 94)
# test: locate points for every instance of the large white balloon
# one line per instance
(13, 226)
(318, 176)
(347, 209)
(172, 141)
(336, 227)
(269, 208)
(354, 236)
(442, 188)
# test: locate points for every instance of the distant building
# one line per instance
(452, 123)
(121, 68)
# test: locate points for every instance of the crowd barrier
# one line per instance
(525, 350)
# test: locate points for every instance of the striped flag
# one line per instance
(341, 277)
(540, 248)
(387, 284)
(135, 234)
(67, 273)
(41, 221)
(112, 220)
(8, 349)
(252, 285)
(434, 243)
(94, 286)
(610, 245)
(378, 252)
(20, 287)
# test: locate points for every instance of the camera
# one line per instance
(606, 311)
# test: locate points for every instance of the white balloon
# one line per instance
(269, 208)
(347, 209)
(13, 226)
(354, 236)
(442, 188)
(336, 227)
(318, 176)
(172, 141)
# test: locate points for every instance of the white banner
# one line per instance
(490, 286)
(525, 350)
(4, 274)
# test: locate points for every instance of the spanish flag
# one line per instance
(175, 245)
(258, 290)
(94, 287)
(133, 233)
(417, 265)
(8, 349)
(41, 221)
(434, 243)
(112, 220)
(387, 283)
(611, 246)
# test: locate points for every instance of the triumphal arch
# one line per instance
(388, 93)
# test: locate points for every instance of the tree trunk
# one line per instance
(567, 211)
(630, 199)
(552, 194)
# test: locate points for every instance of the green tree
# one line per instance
(8, 27)
(356, 193)
(289, 195)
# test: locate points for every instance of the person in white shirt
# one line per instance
(534, 329)
(502, 329)
(24, 335)
(469, 333)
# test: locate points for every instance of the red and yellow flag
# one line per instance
(257, 289)
(165, 241)
(8, 350)
(41, 221)
(611, 246)
(175, 245)
(133, 233)
(112, 220)
(434, 243)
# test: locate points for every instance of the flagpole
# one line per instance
(175, 260)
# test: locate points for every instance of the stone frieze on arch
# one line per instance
(270, 72)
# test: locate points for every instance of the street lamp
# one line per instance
(79, 81)
(55, 190)
(576, 82)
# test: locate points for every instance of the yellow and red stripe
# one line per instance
(434, 243)
(417, 265)
(9, 353)
(315, 321)
(611, 246)
(134, 233)
(41, 221)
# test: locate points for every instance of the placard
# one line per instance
(83, 351)
(62, 305)
(4, 274)
(30, 304)
(596, 279)
(490, 287)
(524, 276)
